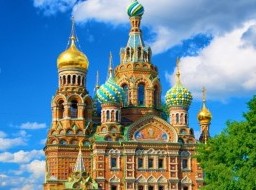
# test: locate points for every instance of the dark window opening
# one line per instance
(108, 115)
(150, 163)
(79, 80)
(68, 79)
(185, 163)
(141, 94)
(150, 187)
(177, 118)
(161, 188)
(117, 116)
(141, 187)
(113, 187)
(185, 188)
(74, 79)
(140, 162)
(160, 163)
(61, 109)
(113, 163)
(126, 95)
(73, 109)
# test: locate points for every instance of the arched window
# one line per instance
(73, 109)
(186, 119)
(112, 115)
(117, 113)
(60, 80)
(156, 96)
(177, 118)
(74, 79)
(69, 79)
(79, 80)
(63, 142)
(64, 80)
(126, 94)
(141, 94)
(60, 109)
(108, 115)
(182, 118)
(83, 81)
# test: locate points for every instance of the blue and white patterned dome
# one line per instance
(110, 92)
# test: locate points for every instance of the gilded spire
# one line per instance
(110, 67)
(97, 86)
(178, 70)
(73, 34)
(204, 96)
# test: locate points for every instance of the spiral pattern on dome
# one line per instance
(110, 92)
(178, 96)
(135, 9)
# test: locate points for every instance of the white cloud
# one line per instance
(21, 156)
(226, 67)
(36, 168)
(51, 7)
(172, 21)
(33, 125)
(34, 172)
(7, 143)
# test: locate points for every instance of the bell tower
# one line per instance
(71, 116)
(136, 74)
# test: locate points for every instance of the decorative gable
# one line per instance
(152, 128)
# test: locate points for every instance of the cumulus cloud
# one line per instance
(33, 125)
(7, 143)
(34, 171)
(36, 168)
(21, 156)
(172, 21)
(224, 67)
(51, 7)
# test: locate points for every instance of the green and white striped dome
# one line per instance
(135, 9)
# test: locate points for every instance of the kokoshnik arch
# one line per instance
(121, 138)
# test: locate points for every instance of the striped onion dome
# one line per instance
(135, 9)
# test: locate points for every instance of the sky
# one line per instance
(216, 41)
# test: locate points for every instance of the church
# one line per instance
(124, 137)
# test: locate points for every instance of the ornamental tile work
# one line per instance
(124, 138)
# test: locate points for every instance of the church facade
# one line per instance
(122, 138)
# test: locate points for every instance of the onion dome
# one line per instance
(204, 115)
(72, 57)
(135, 9)
(110, 92)
(178, 95)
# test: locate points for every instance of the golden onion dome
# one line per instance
(204, 115)
(72, 57)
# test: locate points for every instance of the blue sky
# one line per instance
(215, 40)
